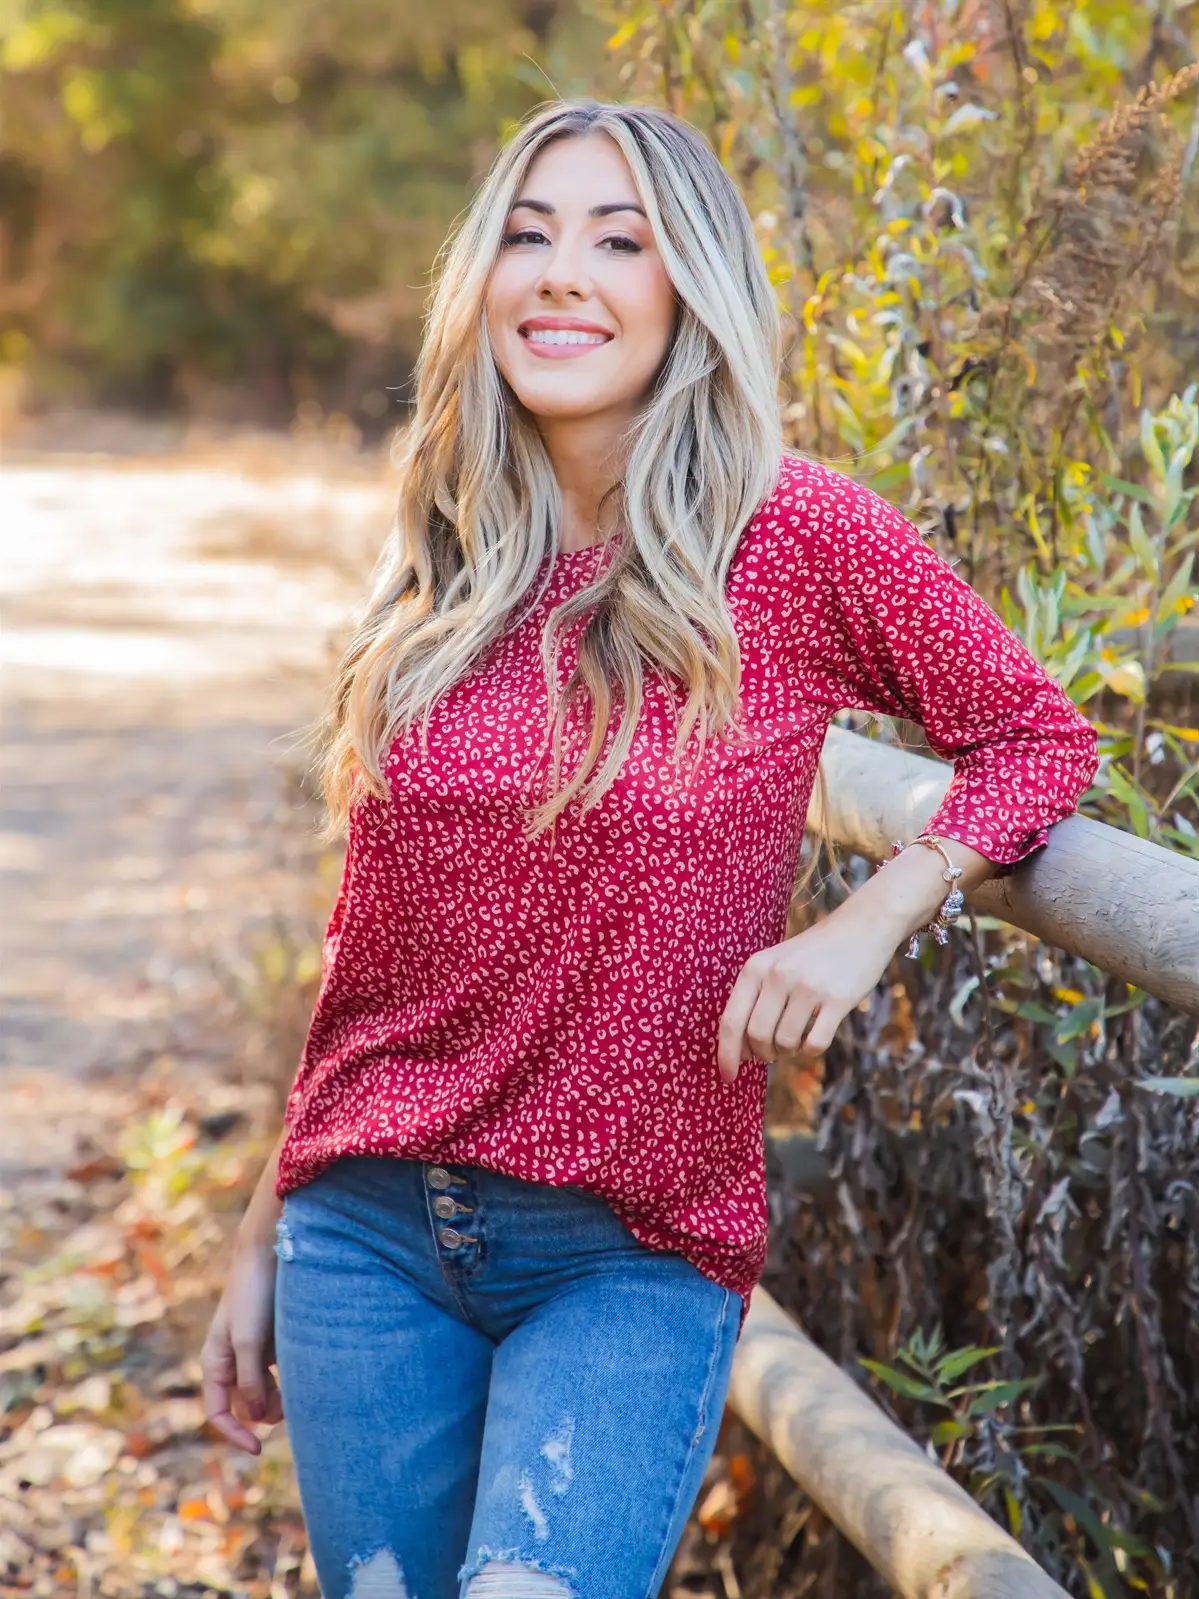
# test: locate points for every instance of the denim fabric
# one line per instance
(517, 1400)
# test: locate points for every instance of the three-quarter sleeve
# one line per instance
(908, 637)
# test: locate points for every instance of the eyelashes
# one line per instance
(620, 242)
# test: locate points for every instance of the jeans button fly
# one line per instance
(439, 1177)
(444, 1206)
(450, 1238)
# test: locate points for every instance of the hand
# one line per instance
(239, 1385)
(815, 978)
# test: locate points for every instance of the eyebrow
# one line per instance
(546, 210)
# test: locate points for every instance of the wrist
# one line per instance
(900, 895)
(916, 891)
(251, 1243)
(950, 907)
(256, 1230)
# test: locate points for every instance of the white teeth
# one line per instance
(563, 336)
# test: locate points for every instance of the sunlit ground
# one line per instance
(167, 631)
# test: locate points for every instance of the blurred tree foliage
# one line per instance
(983, 219)
(234, 205)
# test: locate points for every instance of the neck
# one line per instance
(587, 455)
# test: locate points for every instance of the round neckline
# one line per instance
(585, 549)
(567, 569)
(567, 566)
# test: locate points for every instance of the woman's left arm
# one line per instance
(898, 632)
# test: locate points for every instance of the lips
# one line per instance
(564, 324)
(560, 338)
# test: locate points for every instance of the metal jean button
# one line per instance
(444, 1206)
(439, 1177)
(450, 1237)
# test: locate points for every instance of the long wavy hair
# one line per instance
(479, 504)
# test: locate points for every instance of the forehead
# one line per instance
(576, 168)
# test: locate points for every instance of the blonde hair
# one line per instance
(479, 504)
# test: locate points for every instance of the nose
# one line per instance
(564, 275)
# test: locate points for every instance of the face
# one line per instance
(579, 307)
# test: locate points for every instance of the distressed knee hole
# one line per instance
(556, 1450)
(378, 1578)
(504, 1579)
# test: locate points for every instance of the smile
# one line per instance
(559, 342)
(564, 336)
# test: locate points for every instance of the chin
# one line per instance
(568, 407)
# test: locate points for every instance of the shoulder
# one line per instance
(818, 514)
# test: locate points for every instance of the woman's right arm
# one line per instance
(239, 1385)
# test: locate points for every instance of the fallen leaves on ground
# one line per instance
(111, 1486)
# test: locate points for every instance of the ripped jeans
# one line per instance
(492, 1390)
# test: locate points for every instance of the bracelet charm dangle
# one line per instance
(950, 908)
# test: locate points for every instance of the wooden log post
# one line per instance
(915, 1526)
(1125, 905)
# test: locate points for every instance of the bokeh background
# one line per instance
(219, 220)
(231, 211)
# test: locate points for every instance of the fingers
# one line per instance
(823, 1030)
(238, 1384)
(227, 1424)
(248, 1355)
(218, 1371)
(264, 1404)
(731, 1044)
(274, 1401)
(764, 1023)
(764, 1020)
(792, 1049)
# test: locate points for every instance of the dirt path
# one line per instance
(166, 630)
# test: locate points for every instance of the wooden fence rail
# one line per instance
(923, 1533)
(1129, 907)
(1125, 905)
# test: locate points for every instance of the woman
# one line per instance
(521, 1172)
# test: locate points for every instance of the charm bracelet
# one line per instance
(951, 906)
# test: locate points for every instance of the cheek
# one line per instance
(504, 290)
(497, 298)
(498, 306)
(650, 309)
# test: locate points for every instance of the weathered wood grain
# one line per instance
(915, 1525)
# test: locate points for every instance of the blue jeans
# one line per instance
(493, 1391)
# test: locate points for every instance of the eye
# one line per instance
(622, 244)
(524, 236)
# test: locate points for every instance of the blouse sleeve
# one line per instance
(909, 638)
